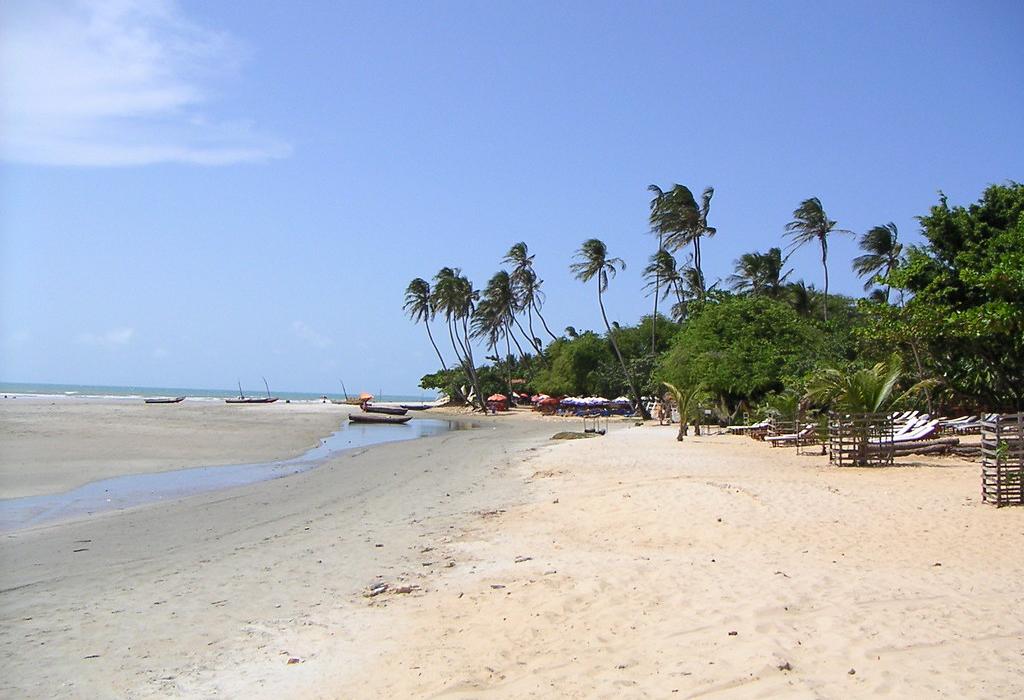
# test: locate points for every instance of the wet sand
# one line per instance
(53, 446)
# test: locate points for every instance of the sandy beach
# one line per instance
(623, 566)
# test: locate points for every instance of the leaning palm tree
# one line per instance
(810, 223)
(594, 263)
(882, 255)
(453, 295)
(502, 301)
(679, 221)
(527, 285)
(490, 324)
(760, 273)
(418, 307)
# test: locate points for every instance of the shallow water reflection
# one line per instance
(137, 489)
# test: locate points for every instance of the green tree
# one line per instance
(743, 348)
(418, 307)
(966, 314)
(595, 264)
(882, 254)
(810, 223)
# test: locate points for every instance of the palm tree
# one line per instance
(760, 273)
(454, 296)
(811, 223)
(501, 297)
(801, 297)
(882, 255)
(680, 221)
(594, 263)
(418, 307)
(686, 396)
(868, 390)
(660, 271)
(490, 323)
(527, 286)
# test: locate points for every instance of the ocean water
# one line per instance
(88, 391)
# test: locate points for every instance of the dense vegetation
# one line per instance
(952, 310)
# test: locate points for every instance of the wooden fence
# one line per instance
(1002, 453)
(860, 440)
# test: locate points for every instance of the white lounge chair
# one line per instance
(794, 438)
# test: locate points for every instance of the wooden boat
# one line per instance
(242, 398)
(389, 410)
(161, 399)
(414, 407)
(377, 418)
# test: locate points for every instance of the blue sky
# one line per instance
(196, 192)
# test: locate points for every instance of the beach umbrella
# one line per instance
(365, 396)
(497, 397)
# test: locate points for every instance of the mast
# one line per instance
(240, 394)
(266, 385)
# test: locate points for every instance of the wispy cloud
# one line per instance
(307, 334)
(113, 338)
(117, 82)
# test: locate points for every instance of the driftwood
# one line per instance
(919, 447)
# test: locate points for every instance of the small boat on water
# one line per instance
(389, 410)
(166, 399)
(242, 398)
(378, 418)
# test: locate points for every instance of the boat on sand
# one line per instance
(242, 398)
(378, 418)
(166, 399)
(389, 410)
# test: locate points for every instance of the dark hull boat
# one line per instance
(414, 407)
(176, 399)
(389, 410)
(242, 398)
(377, 418)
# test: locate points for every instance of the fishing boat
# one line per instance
(389, 410)
(378, 418)
(166, 399)
(242, 398)
(414, 406)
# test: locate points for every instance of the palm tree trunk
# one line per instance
(516, 340)
(474, 378)
(696, 265)
(824, 264)
(508, 360)
(615, 346)
(529, 324)
(545, 323)
(533, 344)
(431, 336)
(657, 293)
(458, 355)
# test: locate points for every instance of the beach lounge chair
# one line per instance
(737, 429)
(790, 438)
(920, 432)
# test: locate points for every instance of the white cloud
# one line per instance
(115, 337)
(116, 82)
(310, 336)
